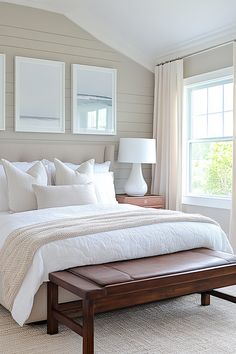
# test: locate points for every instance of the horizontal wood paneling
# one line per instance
(44, 37)
(123, 173)
(35, 33)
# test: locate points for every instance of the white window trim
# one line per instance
(213, 75)
(187, 198)
(211, 202)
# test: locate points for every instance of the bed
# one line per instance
(127, 243)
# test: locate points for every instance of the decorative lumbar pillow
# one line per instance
(60, 196)
(21, 196)
(82, 175)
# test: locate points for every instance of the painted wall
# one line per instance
(215, 59)
(219, 58)
(35, 33)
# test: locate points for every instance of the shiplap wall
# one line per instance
(40, 34)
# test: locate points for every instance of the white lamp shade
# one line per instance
(137, 150)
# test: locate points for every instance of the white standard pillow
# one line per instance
(21, 196)
(60, 196)
(104, 187)
(82, 175)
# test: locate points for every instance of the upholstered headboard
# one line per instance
(75, 152)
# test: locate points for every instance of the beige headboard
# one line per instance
(75, 152)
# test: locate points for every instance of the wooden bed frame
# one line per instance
(123, 284)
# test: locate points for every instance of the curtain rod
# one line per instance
(197, 52)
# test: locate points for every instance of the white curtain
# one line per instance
(233, 208)
(167, 130)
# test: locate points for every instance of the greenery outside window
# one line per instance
(208, 138)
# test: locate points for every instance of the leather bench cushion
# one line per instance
(136, 269)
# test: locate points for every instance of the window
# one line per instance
(208, 138)
(97, 119)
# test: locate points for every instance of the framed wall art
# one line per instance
(93, 100)
(2, 92)
(39, 95)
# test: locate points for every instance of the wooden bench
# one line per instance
(122, 284)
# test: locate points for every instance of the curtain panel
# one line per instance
(233, 207)
(167, 130)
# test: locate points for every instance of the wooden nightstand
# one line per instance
(147, 201)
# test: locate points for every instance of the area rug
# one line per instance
(169, 327)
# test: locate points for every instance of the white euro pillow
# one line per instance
(103, 182)
(98, 167)
(60, 196)
(24, 166)
(82, 175)
(50, 167)
(21, 196)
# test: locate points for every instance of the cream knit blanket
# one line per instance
(21, 245)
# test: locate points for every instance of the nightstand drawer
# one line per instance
(147, 201)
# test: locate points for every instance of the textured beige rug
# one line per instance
(168, 327)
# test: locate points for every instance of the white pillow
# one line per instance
(104, 187)
(82, 175)
(3, 190)
(24, 166)
(104, 182)
(21, 196)
(60, 196)
(50, 167)
(98, 167)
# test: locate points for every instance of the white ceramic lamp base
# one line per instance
(136, 185)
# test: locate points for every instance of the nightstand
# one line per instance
(147, 201)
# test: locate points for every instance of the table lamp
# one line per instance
(136, 151)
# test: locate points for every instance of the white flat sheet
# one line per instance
(109, 246)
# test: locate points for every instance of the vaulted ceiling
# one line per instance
(149, 31)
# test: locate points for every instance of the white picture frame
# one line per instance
(39, 95)
(93, 100)
(2, 91)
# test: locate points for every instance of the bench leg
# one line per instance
(205, 299)
(88, 327)
(52, 303)
(223, 296)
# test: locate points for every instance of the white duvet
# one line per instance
(109, 246)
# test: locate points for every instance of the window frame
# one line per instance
(207, 79)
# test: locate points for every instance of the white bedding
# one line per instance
(104, 247)
(4, 213)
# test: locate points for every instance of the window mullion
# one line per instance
(223, 109)
(211, 140)
(207, 111)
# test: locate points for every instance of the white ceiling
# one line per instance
(149, 31)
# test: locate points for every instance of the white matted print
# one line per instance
(94, 100)
(2, 92)
(39, 95)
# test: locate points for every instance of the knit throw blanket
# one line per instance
(21, 245)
